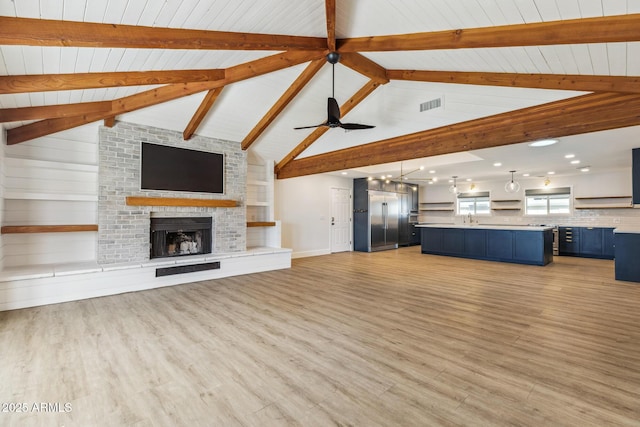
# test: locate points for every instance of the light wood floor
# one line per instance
(394, 338)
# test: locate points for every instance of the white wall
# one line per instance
(591, 184)
(3, 139)
(304, 207)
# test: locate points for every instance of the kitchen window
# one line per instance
(477, 203)
(548, 201)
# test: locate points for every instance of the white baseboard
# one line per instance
(43, 288)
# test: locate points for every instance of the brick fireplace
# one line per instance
(125, 231)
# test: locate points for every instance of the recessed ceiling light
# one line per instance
(450, 181)
(469, 180)
(432, 171)
(497, 164)
(430, 182)
(382, 176)
(569, 156)
(344, 173)
(575, 162)
(421, 168)
(551, 173)
(370, 178)
(435, 179)
(389, 176)
(525, 174)
(584, 169)
(543, 143)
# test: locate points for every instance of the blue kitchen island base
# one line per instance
(515, 244)
(627, 254)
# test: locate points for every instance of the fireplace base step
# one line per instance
(181, 269)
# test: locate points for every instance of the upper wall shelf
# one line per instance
(507, 201)
(603, 202)
(21, 229)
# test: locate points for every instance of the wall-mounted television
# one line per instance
(180, 169)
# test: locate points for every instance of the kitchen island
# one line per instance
(505, 243)
(627, 253)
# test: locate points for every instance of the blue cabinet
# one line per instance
(635, 158)
(475, 243)
(588, 242)
(627, 256)
(500, 244)
(569, 243)
(523, 247)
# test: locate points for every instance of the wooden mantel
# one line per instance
(20, 229)
(177, 201)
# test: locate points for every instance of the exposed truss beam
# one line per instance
(607, 29)
(537, 81)
(295, 88)
(581, 114)
(53, 111)
(44, 32)
(364, 66)
(330, 6)
(201, 113)
(49, 82)
(365, 91)
(163, 94)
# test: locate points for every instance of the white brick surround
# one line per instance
(124, 230)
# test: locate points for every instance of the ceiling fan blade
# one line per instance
(333, 111)
(310, 127)
(355, 126)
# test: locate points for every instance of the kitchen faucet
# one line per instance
(470, 218)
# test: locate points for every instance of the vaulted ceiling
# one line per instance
(502, 71)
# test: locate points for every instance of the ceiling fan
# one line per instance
(333, 110)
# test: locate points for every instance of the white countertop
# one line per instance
(487, 227)
(627, 230)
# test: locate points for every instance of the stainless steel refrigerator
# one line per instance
(384, 209)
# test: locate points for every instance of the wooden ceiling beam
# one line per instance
(364, 66)
(201, 113)
(606, 29)
(365, 91)
(163, 94)
(578, 115)
(45, 32)
(537, 81)
(295, 88)
(53, 111)
(330, 6)
(51, 82)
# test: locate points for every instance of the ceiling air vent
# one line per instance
(430, 105)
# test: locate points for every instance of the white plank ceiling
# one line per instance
(393, 108)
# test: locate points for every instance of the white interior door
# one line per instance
(340, 220)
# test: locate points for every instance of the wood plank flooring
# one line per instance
(394, 338)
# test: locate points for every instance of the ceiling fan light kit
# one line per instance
(333, 110)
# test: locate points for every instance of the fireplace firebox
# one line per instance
(180, 236)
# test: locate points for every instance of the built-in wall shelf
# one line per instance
(178, 201)
(68, 197)
(507, 201)
(20, 229)
(506, 205)
(604, 207)
(436, 207)
(603, 197)
(603, 202)
(261, 224)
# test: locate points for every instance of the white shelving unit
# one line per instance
(262, 229)
(603, 202)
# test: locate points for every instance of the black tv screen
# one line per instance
(179, 169)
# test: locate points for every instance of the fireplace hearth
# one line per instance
(180, 236)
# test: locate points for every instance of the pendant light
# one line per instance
(454, 188)
(512, 186)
